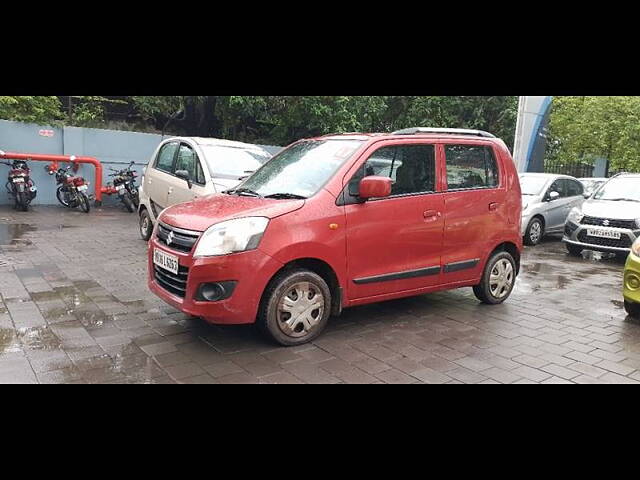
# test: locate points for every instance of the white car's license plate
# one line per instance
(166, 261)
(601, 233)
(18, 180)
(83, 188)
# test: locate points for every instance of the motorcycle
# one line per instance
(72, 190)
(20, 185)
(124, 182)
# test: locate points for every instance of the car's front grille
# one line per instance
(175, 284)
(624, 242)
(181, 240)
(609, 222)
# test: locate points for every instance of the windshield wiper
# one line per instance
(244, 192)
(286, 196)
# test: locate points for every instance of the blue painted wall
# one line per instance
(114, 149)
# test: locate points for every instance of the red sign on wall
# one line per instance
(46, 133)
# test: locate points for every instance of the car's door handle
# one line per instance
(431, 214)
(493, 207)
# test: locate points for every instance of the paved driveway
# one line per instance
(75, 309)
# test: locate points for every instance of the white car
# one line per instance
(547, 200)
(185, 168)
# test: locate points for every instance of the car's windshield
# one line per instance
(532, 185)
(620, 189)
(233, 162)
(301, 170)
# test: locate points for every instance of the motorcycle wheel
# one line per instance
(128, 204)
(83, 202)
(60, 193)
(136, 199)
(21, 201)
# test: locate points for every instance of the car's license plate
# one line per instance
(82, 188)
(166, 261)
(601, 233)
(18, 180)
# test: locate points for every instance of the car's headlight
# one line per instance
(575, 216)
(635, 248)
(232, 236)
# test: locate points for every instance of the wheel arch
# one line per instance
(512, 249)
(321, 268)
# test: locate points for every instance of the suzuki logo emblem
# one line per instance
(606, 223)
(170, 238)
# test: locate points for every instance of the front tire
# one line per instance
(60, 194)
(498, 279)
(632, 308)
(535, 232)
(83, 202)
(146, 225)
(295, 307)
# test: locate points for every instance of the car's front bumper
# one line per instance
(251, 270)
(632, 279)
(576, 235)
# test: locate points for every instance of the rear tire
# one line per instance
(146, 225)
(498, 279)
(288, 312)
(574, 250)
(632, 308)
(83, 202)
(22, 203)
(535, 232)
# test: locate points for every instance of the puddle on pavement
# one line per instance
(9, 342)
(11, 233)
(37, 338)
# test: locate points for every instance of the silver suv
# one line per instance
(609, 221)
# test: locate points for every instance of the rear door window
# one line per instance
(471, 167)
(166, 156)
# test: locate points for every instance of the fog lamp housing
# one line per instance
(215, 291)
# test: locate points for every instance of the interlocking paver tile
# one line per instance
(65, 318)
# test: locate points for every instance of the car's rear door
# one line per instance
(475, 211)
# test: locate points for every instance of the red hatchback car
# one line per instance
(345, 220)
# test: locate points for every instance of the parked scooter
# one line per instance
(124, 182)
(20, 185)
(72, 190)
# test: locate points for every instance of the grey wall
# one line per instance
(114, 149)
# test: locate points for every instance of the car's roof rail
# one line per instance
(446, 131)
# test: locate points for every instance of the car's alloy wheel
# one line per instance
(534, 233)
(300, 309)
(501, 279)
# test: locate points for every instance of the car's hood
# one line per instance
(609, 209)
(200, 214)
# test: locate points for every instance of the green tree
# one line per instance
(45, 110)
(585, 128)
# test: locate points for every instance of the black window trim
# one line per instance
(470, 189)
(182, 142)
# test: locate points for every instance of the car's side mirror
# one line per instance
(553, 196)
(185, 176)
(375, 187)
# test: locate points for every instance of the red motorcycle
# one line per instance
(72, 190)
(20, 186)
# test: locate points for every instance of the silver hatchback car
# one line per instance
(547, 200)
(609, 221)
